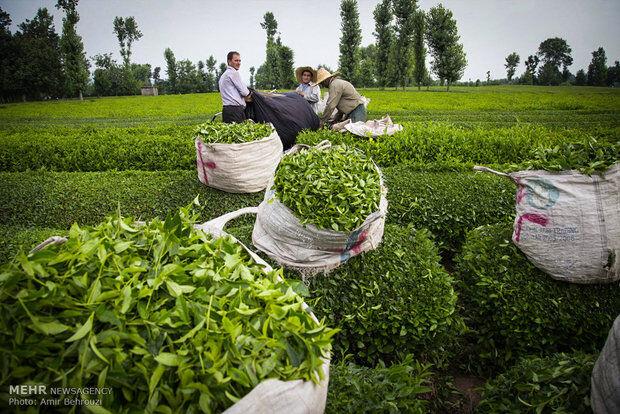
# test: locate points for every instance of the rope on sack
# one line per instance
(51, 240)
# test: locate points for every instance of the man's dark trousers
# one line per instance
(231, 113)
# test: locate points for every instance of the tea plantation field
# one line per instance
(446, 300)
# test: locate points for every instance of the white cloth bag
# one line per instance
(568, 223)
(280, 235)
(238, 168)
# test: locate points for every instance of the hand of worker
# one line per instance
(248, 98)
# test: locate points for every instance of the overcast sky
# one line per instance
(195, 29)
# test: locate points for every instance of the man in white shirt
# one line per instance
(234, 92)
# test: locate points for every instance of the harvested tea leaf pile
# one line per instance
(220, 132)
(169, 317)
(588, 156)
(332, 189)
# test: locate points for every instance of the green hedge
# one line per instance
(57, 200)
(513, 309)
(88, 148)
(398, 388)
(392, 301)
(448, 204)
(558, 384)
(439, 142)
(170, 147)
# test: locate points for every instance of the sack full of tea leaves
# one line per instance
(237, 158)
(325, 205)
(167, 317)
(568, 223)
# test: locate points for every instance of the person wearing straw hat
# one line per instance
(311, 93)
(342, 96)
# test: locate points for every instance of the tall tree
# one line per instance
(449, 59)
(188, 78)
(554, 53)
(529, 77)
(211, 73)
(39, 69)
(127, 32)
(171, 70)
(488, 76)
(384, 35)
(613, 74)
(580, 78)
(597, 69)
(512, 61)
(286, 69)
(75, 65)
(8, 55)
(366, 69)
(419, 51)
(252, 72)
(350, 39)
(270, 70)
(404, 16)
(156, 76)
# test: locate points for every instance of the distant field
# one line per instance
(493, 106)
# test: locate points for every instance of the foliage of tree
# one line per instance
(365, 75)
(8, 54)
(404, 15)
(350, 39)
(529, 77)
(286, 66)
(442, 37)
(269, 76)
(171, 70)
(74, 63)
(512, 61)
(597, 69)
(38, 69)
(211, 78)
(553, 53)
(384, 36)
(581, 78)
(419, 50)
(613, 74)
(127, 32)
(252, 72)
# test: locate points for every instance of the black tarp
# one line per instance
(288, 112)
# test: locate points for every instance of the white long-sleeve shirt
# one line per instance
(232, 88)
(312, 94)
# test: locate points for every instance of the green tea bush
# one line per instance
(96, 148)
(439, 142)
(172, 319)
(448, 204)
(397, 388)
(556, 384)
(513, 309)
(335, 188)
(58, 199)
(389, 302)
(219, 132)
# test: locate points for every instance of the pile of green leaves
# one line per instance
(335, 188)
(394, 389)
(558, 384)
(514, 309)
(223, 133)
(169, 317)
(588, 156)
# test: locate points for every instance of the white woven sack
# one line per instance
(271, 396)
(373, 128)
(280, 235)
(238, 168)
(605, 381)
(568, 223)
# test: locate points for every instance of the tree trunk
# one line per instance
(23, 97)
(448, 84)
(81, 97)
